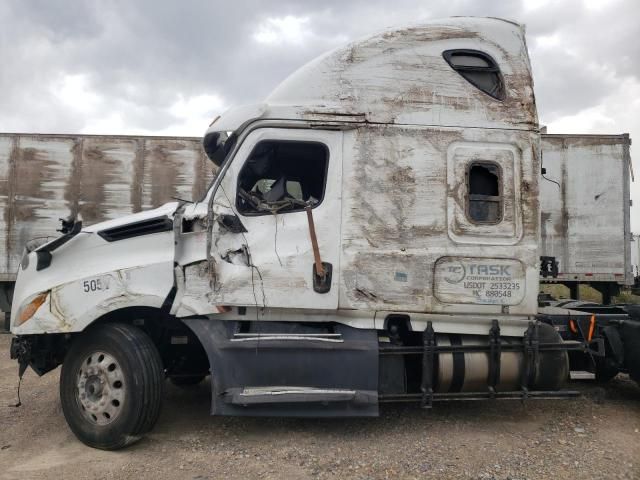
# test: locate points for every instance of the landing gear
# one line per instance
(111, 386)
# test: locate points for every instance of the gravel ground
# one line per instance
(595, 436)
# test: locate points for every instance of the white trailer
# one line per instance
(45, 177)
(371, 235)
(585, 210)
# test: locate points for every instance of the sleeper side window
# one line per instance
(282, 176)
(479, 69)
(484, 192)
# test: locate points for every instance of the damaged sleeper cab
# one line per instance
(370, 236)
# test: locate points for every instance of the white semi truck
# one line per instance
(372, 235)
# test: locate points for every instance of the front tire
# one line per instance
(111, 386)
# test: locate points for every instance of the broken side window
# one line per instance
(282, 176)
(484, 195)
(479, 69)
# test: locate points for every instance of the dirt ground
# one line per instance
(595, 436)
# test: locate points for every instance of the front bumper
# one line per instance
(42, 353)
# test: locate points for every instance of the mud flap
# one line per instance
(287, 369)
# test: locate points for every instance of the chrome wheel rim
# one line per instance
(101, 389)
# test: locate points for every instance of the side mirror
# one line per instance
(213, 144)
(217, 145)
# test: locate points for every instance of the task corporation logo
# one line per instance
(455, 273)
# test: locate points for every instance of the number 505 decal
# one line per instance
(95, 285)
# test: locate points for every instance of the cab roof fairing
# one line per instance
(400, 76)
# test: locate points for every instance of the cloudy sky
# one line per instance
(168, 67)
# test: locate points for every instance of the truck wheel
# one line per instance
(111, 386)
(186, 381)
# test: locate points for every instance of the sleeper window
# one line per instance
(282, 176)
(479, 69)
(484, 194)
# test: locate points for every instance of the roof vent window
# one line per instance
(479, 69)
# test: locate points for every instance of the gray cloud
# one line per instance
(138, 57)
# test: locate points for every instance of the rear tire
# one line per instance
(111, 386)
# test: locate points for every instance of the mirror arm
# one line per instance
(314, 243)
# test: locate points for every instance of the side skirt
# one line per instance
(290, 369)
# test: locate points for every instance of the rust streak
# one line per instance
(138, 176)
(9, 214)
(73, 190)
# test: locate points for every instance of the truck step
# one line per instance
(294, 337)
(284, 394)
(581, 375)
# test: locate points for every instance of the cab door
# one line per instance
(262, 245)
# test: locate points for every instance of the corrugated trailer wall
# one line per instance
(585, 205)
(47, 177)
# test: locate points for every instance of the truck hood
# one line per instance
(168, 209)
(90, 275)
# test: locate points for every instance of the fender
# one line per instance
(72, 306)
(108, 266)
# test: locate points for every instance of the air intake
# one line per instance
(136, 229)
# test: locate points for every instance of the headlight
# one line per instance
(29, 309)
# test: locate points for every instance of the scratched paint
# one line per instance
(47, 177)
(404, 204)
(411, 126)
(400, 77)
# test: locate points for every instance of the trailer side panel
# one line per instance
(584, 199)
(96, 177)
